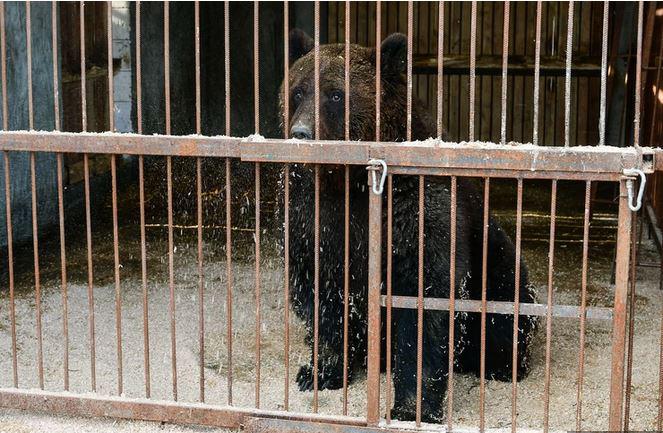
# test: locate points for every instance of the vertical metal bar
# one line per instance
(516, 308)
(199, 214)
(420, 299)
(90, 276)
(378, 65)
(3, 68)
(257, 282)
(35, 246)
(604, 72)
(659, 421)
(484, 281)
(143, 266)
(286, 216)
(109, 55)
(10, 243)
(549, 304)
(116, 268)
(226, 47)
(390, 200)
(54, 49)
(169, 181)
(141, 192)
(440, 68)
(452, 296)
(638, 78)
(256, 64)
(316, 71)
(473, 60)
(63, 254)
(347, 69)
(346, 287)
(567, 82)
(28, 43)
(316, 284)
(619, 311)
(374, 290)
(537, 73)
(410, 25)
(81, 18)
(583, 304)
(631, 327)
(229, 282)
(505, 66)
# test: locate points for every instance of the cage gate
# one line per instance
(239, 157)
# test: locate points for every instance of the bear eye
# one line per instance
(336, 96)
(297, 97)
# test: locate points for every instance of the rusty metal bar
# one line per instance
(388, 299)
(505, 66)
(10, 258)
(473, 59)
(659, 421)
(171, 276)
(604, 72)
(90, 277)
(81, 18)
(631, 326)
(452, 291)
(550, 307)
(109, 55)
(537, 74)
(229, 284)
(257, 283)
(484, 305)
(199, 217)
(161, 411)
(410, 32)
(583, 305)
(638, 78)
(619, 311)
(347, 70)
(286, 215)
(567, 82)
(54, 49)
(3, 68)
(35, 249)
(28, 43)
(286, 283)
(440, 69)
(256, 65)
(226, 47)
(499, 307)
(116, 269)
(516, 308)
(420, 300)
(378, 65)
(63, 274)
(316, 286)
(143, 266)
(166, 62)
(139, 91)
(374, 290)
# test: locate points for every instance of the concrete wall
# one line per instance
(17, 98)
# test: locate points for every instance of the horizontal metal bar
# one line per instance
(499, 307)
(474, 158)
(90, 405)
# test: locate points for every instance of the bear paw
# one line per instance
(326, 378)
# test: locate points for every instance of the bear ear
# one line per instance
(393, 53)
(300, 44)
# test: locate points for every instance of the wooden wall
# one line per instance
(585, 89)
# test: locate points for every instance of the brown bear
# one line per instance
(469, 235)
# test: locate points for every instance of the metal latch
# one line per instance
(373, 166)
(633, 172)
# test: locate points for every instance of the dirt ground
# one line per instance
(565, 339)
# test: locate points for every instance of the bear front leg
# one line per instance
(434, 368)
(330, 359)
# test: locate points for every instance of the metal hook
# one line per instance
(374, 166)
(629, 188)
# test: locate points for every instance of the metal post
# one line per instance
(619, 311)
(374, 290)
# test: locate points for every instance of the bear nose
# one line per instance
(301, 132)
